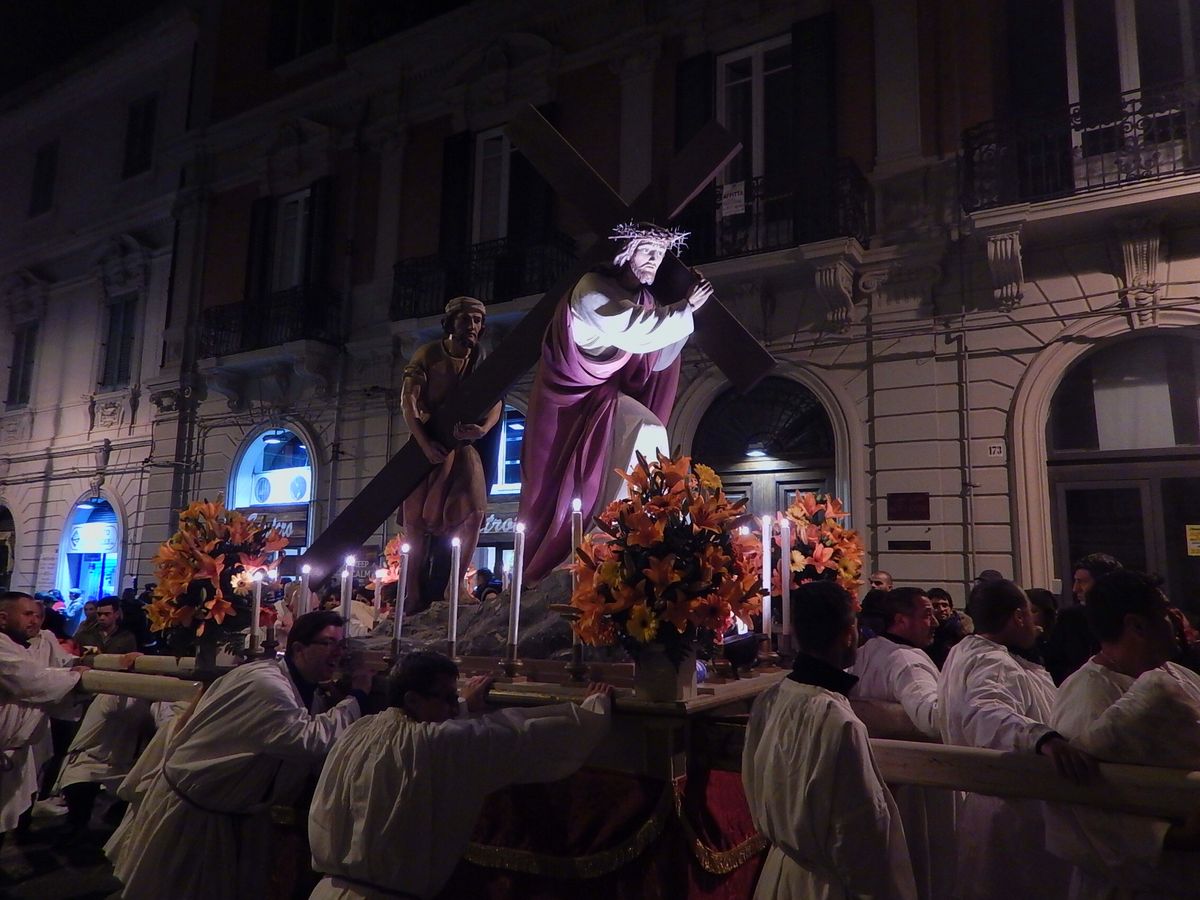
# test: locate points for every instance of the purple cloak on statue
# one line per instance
(569, 432)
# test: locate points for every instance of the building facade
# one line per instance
(966, 230)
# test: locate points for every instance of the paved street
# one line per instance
(59, 871)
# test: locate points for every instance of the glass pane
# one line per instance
(1159, 42)
(1106, 520)
(286, 246)
(778, 144)
(1097, 55)
(1181, 512)
(739, 120)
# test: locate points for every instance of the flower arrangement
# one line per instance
(669, 564)
(821, 549)
(206, 576)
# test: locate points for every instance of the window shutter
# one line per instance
(258, 260)
(695, 80)
(814, 90)
(530, 197)
(318, 240)
(454, 229)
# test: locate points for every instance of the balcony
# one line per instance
(308, 312)
(775, 213)
(1139, 136)
(493, 271)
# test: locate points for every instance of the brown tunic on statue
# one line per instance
(455, 488)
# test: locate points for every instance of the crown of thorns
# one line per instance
(671, 238)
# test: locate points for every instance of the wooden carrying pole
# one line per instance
(1144, 790)
(147, 665)
(141, 687)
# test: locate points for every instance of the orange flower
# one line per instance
(711, 612)
(806, 504)
(274, 541)
(661, 573)
(676, 613)
(834, 508)
(644, 531)
(821, 558)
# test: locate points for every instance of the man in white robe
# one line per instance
(992, 698)
(401, 791)
(27, 688)
(811, 782)
(202, 827)
(1114, 707)
(895, 668)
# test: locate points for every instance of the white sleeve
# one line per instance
(915, 685)
(600, 322)
(25, 680)
(994, 716)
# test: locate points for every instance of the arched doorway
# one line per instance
(769, 443)
(8, 547)
(90, 554)
(273, 477)
(1123, 444)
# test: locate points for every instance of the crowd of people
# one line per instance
(399, 790)
(1096, 681)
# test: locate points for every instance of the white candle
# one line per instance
(785, 572)
(310, 602)
(455, 581)
(401, 597)
(256, 609)
(514, 601)
(766, 575)
(380, 574)
(576, 541)
(347, 585)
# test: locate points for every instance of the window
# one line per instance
(291, 241)
(118, 349)
(1140, 394)
(139, 136)
(508, 463)
(45, 168)
(492, 167)
(754, 101)
(299, 27)
(20, 371)
(273, 479)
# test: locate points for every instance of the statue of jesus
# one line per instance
(603, 389)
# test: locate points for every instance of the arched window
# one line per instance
(779, 419)
(274, 478)
(508, 459)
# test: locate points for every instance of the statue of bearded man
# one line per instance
(603, 389)
(452, 499)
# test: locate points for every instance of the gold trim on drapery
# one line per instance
(718, 862)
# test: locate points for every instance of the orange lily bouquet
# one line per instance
(669, 564)
(822, 550)
(206, 576)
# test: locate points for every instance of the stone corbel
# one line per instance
(1004, 263)
(1141, 257)
(24, 297)
(230, 385)
(835, 265)
(124, 267)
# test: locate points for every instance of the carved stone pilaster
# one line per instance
(1004, 263)
(1140, 241)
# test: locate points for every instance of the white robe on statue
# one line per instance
(27, 688)
(994, 699)
(606, 319)
(901, 673)
(1118, 855)
(816, 794)
(248, 745)
(398, 799)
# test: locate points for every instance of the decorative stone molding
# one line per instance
(103, 454)
(5, 466)
(276, 376)
(1004, 262)
(16, 427)
(110, 410)
(1140, 241)
(835, 265)
(166, 401)
(123, 267)
(297, 154)
(23, 297)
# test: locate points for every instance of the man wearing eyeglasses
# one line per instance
(202, 827)
(401, 792)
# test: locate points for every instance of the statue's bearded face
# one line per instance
(467, 328)
(646, 258)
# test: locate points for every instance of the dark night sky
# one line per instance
(38, 35)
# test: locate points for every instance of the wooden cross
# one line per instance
(718, 333)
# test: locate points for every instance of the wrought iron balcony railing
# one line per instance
(776, 212)
(307, 312)
(493, 271)
(1140, 135)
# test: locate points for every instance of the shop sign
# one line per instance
(1193, 540)
(93, 537)
(499, 525)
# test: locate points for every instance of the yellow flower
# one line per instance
(709, 480)
(242, 583)
(642, 625)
